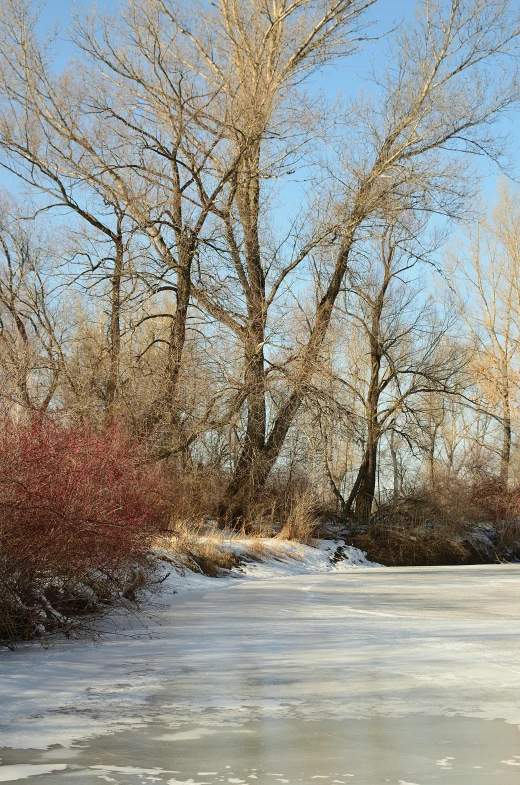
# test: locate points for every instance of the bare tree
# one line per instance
(406, 352)
(32, 341)
(486, 272)
(69, 144)
(403, 149)
(51, 146)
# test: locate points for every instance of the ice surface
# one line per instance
(368, 751)
(423, 662)
(108, 685)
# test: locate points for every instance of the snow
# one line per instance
(287, 558)
(132, 770)
(22, 771)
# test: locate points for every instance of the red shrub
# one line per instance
(73, 503)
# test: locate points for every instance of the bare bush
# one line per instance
(418, 530)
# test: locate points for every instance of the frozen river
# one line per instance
(406, 676)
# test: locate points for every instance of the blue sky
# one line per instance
(385, 11)
(346, 77)
(385, 15)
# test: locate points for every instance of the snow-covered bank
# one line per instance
(277, 559)
(74, 690)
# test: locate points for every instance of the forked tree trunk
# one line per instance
(253, 468)
(248, 477)
(365, 485)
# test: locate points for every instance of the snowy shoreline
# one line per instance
(285, 558)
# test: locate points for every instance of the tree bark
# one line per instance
(112, 387)
(505, 452)
(366, 480)
(367, 485)
(255, 467)
(395, 466)
(248, 476)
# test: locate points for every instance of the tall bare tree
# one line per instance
(183, 118)
(486, 273)
(240, 65)
(406, 353)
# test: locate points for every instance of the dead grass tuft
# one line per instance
(257, 549)
(200, 548)
(208, 550)
(302, 522)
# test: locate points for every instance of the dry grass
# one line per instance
(263, 549)
(207, 550)
(257, 548)
(199, 548)
(396, 547)
(205, 547)
(302, 522)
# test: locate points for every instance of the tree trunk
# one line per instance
(395, 466)
(246, 480)
(112, 387)
(248, 476)
(431, 467)
(505, 452)
(366, 480)
(177, 342)
(255, 467)
(367, 485)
